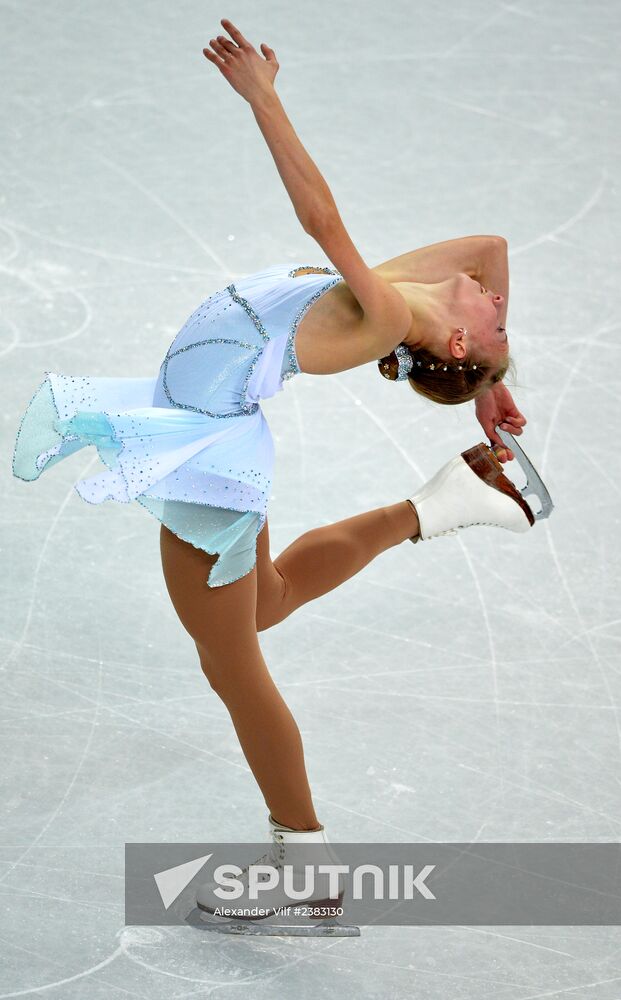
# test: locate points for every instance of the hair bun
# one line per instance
(389, 366)
(397, 365)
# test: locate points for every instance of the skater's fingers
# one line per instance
(499, 448)
(513, 416)
(503, 454)
(216, 59)
(226, 44)
(510, 427)
(235, 33)
(494, 437)
(512, 413)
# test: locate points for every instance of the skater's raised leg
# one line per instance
(322, 558)
(471, 489)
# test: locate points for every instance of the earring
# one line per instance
(461, 329)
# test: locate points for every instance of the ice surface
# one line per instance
(461, 690)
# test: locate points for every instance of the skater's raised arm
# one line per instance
(253, 77)
(439, 261)
(386, 317)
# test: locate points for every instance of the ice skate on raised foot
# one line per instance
(287, 848)
(472, 489)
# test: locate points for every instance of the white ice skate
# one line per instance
(472, 489)
(287, 848)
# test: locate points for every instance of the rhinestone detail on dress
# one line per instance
(291, 366)
(241, 301)
(315, 270)
(246, 408)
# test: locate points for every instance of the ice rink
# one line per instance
(464, 690)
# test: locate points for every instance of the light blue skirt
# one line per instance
(207, 478)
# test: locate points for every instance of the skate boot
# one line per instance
(472, 489)
(289, 847)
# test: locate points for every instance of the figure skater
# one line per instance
(193, 447)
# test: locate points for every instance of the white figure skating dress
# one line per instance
(191, 444)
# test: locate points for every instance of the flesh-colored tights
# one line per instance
(224, 622)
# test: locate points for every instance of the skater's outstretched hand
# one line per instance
(240, 63)
(495, 407)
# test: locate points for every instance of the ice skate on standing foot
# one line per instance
(472, 489)
(288, 847)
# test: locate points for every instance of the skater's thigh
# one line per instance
(271, 585)
(221, 620)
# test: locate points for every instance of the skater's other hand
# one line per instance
(495, 407)
(240, 63)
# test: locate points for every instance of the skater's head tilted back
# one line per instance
(459, 347)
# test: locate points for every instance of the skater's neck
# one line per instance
(429, 329)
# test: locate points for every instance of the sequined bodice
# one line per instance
(238, 346)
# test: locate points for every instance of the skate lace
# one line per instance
(274, 856)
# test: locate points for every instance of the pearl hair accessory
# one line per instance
(405, 362)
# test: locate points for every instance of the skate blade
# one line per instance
(330, 927)
(534, 482)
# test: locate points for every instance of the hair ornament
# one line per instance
(405, 361)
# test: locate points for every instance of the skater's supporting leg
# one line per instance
(322, 558)
(221, 620)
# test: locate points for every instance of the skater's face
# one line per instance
(477, 308)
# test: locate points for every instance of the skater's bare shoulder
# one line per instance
(383, 310)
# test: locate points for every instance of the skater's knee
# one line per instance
(204, 659)
(272, 601)
(229, 672)
(213, 669)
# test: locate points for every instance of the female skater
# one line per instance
(194, 448)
